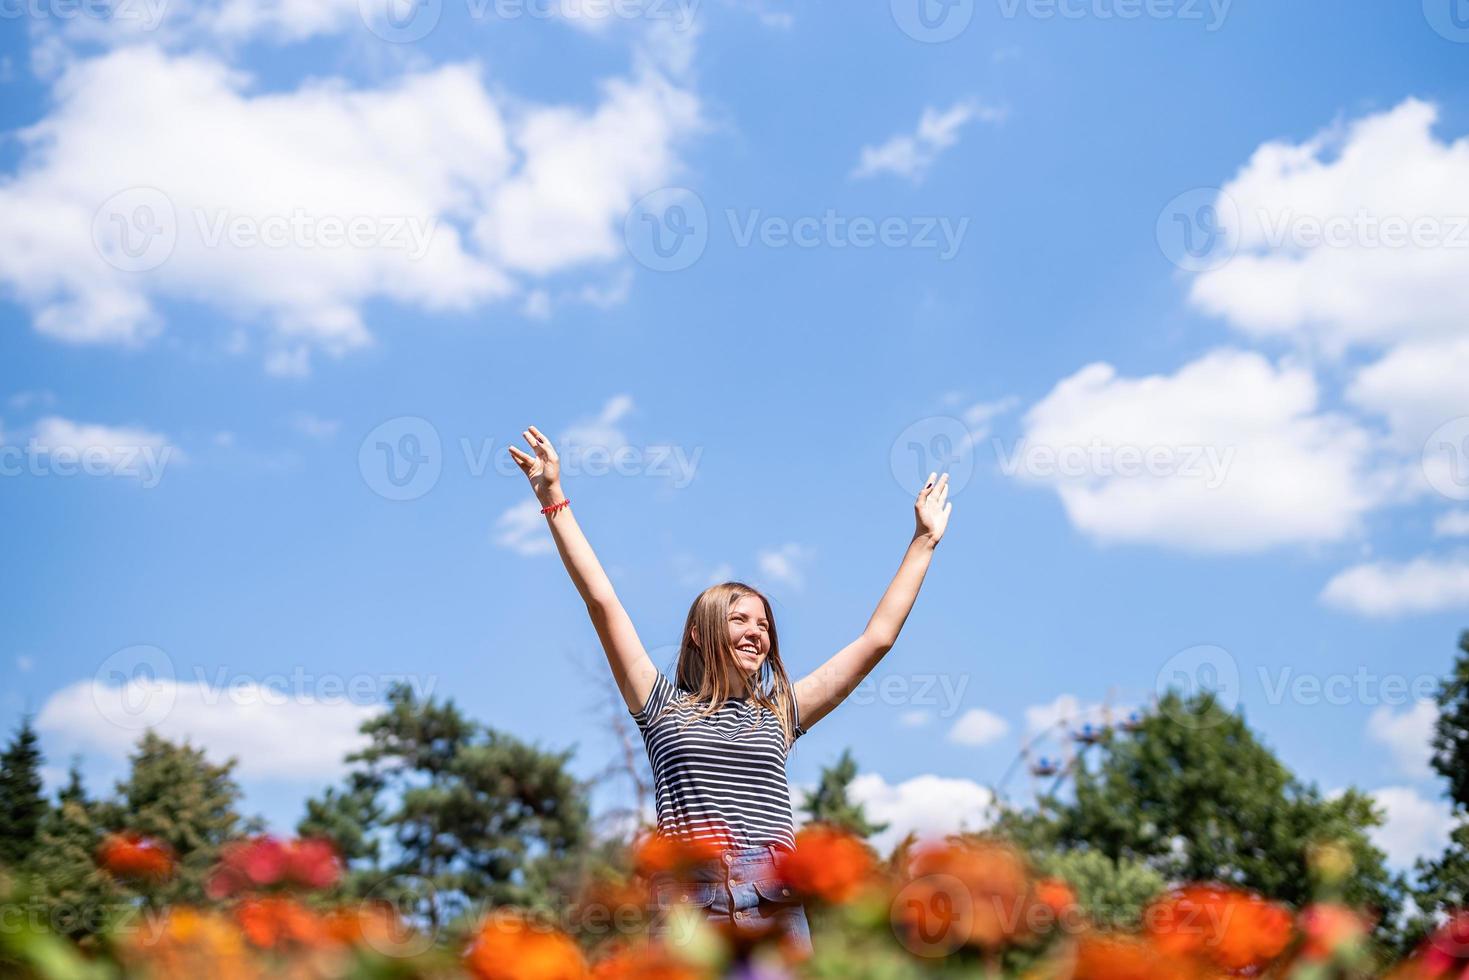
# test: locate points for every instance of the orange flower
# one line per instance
(646, 962)
(511, 947)
(1118, 957)
(131, 855)
(1057, 898)
(374, 924)
(658, 852)
(187, 943)
(1330, 929)
(1234, 929)
(276, 921)
(974, 892)
(827, 864)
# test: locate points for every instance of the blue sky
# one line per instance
(1228, 241)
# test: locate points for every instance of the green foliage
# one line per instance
(1111, 892)
(1195, 796)
(829, 802)
(472, 816)
(176, 795)
(1443, 882)
(22, 805)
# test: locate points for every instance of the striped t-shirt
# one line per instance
(717, 779)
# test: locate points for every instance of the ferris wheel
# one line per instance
(1054, 752)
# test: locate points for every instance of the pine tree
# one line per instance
(475, 816)
(175, 794)
(22, 803)
(80, 898)
(831, 804)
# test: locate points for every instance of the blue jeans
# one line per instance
(742, 890)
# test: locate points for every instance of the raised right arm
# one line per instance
(631, 667)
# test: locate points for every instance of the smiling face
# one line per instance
(749, 633)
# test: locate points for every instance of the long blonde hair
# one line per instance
(704, 670)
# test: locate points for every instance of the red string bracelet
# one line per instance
(555, 507)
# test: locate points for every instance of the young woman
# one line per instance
(718, 733)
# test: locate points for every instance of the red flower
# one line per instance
(1446, 953)
(266, 862)
(1330, 929)
(134, 856)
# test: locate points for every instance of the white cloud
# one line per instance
(1422, 585)
(785, 564)
(910, 155)
(1416, 387)
(915, 718)
(927, 805)
(314, 427)
(522, 528)
(1066, 709)
(1415, 827)
(446, 193)
(272, 732)
(1454, 524)
(600, 431)
(978, 727)
(1228, 454)
(1407, 735)
(1358, 289)
(94, 450)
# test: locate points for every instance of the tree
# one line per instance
(472, 816)
(22, 804)
(175, 794)
(1195, 796)
(80, 898)
(1443, 882)
(830, 803)
(1113, 893)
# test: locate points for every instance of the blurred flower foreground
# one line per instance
(962, 906)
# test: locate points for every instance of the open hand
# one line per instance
(932, 507)
(544, 468)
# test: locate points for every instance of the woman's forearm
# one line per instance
(892, 610)
(576, 551)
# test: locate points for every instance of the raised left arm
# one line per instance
(828, 685)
